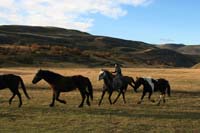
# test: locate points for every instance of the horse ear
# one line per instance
(102, 69)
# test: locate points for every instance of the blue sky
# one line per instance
(152, 21)
(163, 21)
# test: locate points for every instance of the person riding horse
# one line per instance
(118, 80)
(118, 70)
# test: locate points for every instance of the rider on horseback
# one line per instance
(118, 80)
(118, 70)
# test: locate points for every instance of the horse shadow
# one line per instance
(163, 115)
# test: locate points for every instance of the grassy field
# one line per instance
(180, 113)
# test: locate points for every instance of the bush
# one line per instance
(24, 59)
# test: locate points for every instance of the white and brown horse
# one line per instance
(153, 85)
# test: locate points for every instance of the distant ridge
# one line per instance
(171, 46)
(36, 45)
(181, 48)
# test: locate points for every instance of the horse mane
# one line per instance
(50, 73)
(110, 76)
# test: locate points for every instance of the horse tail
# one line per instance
(24, 88)
(90, 88)
(168, 89)
(132, 81)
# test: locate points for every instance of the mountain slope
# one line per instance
(30, 45)
(184, 49)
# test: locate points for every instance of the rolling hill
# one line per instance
(181, 48)
(51, 46)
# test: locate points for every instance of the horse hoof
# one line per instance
(19, 106)
(153, 101)
(51, 105)
(88, 104)
(64, 102)
(80, 106)
(139, 102)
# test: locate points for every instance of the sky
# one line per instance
(151, 21)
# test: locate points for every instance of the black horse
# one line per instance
(151, 85)
(61, 83)
(12, 82)
(108, 85)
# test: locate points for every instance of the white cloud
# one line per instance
(62, 13)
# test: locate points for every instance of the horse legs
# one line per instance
(53, 100)
(103, 93)
(83, 98)
(10, 100)
(20, 99)
(109, 97)
(164, 98)
(88, 99)
(15, 91)
(143, 94)
(161, 97)
(117, 97)
(57, 98)
(124, 99)
(150, 93)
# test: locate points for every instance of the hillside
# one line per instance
(184, 49)
(51, 46)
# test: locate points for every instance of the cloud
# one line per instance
(166, 40)
(62, 13)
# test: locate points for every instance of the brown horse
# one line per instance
(61, 83)
(12, 81)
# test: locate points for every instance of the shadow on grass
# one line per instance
(156, 115)
(189, 93)
(146, 111)
(110, 112)
(173, 92)
(9, 116)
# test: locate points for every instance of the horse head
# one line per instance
(102, 74)
(105, 74)
(139, 81)
(38, 77)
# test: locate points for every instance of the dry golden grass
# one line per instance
(181, 113)
(180, 79)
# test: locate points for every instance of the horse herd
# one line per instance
(61, 83)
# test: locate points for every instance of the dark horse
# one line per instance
(61, 83)
(12, 82)
(151, 85)
(108, 85)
